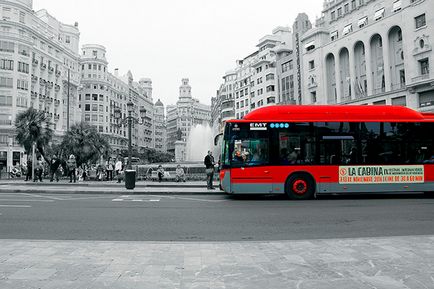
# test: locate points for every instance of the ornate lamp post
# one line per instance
(130, 174)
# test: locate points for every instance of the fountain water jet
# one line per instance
(199, 142)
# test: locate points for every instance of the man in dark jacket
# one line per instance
(209, 164)
(54, 165)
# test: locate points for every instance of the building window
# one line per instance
(23, 67)
(7, 46)
(353, 4)
(339, 12)
(259, 69)
(67, 39)
(348, 29)
(346, 8)
(6, 64)
(333, 15)
(426, 98)
(22, 84)
(311, 64)
(6, 82)
(87, 107)
(362, 22)
(396, 5)
(313, 96)
(5, 100)
(87, 117)
(379, 14)
(420, 21)
(424, 66)
(334, 35)
(87, 97)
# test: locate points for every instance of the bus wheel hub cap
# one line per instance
(299, 187)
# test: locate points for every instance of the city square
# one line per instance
(216, 144)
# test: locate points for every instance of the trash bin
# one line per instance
(130, 179)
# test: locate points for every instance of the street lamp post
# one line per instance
(130, 175)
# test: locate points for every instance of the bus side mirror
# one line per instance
(217, 138)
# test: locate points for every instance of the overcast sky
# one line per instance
(169, 40)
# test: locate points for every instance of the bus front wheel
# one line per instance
(300, 187)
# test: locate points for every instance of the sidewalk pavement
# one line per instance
(389, 262)
(104, 187)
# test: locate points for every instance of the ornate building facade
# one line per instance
(39, 68)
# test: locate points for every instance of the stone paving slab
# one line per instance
(392, 262)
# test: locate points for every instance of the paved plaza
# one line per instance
(395, 262)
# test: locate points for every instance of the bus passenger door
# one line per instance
(250, 171)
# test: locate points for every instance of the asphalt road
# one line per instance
(210, 218)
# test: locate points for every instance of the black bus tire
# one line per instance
(300, 187)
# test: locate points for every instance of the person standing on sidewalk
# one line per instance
(54, 165)
(209, 164)
(109, 168)
(72, 165)
(118, 169)
(39, 170)
(29, 170)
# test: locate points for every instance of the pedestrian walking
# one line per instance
(72, 165)
(209, 169)
(54, 166)
(109, 168)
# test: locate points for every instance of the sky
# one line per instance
(170, 40)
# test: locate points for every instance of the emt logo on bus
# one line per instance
(258, 126)
(381, 174)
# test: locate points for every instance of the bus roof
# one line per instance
(339, 113)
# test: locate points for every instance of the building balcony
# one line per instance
(43, 66)
(41, 96)
(58, 73)
(50, 69)
(49, 100)
(33, 94)
(56, 102)
(421, 77)
(34, 78)
(42, 81)
(35, 62)
(398, 86)
(57, 87)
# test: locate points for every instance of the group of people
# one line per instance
(56, 168)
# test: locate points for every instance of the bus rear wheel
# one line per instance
(300, 187)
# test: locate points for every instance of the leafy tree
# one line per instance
(33, 126)
(85, 143)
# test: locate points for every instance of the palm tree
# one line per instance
(33, 127)
(85, 143)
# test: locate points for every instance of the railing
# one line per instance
(420, 77)
(398, 86)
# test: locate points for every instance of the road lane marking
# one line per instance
(25, 200)
(40, 196)
(135, 200)
(14, 206)
(192, 199)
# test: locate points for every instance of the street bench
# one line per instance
(167, 176)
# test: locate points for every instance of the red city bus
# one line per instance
(306, 150)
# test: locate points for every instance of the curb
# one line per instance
(103, 192)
